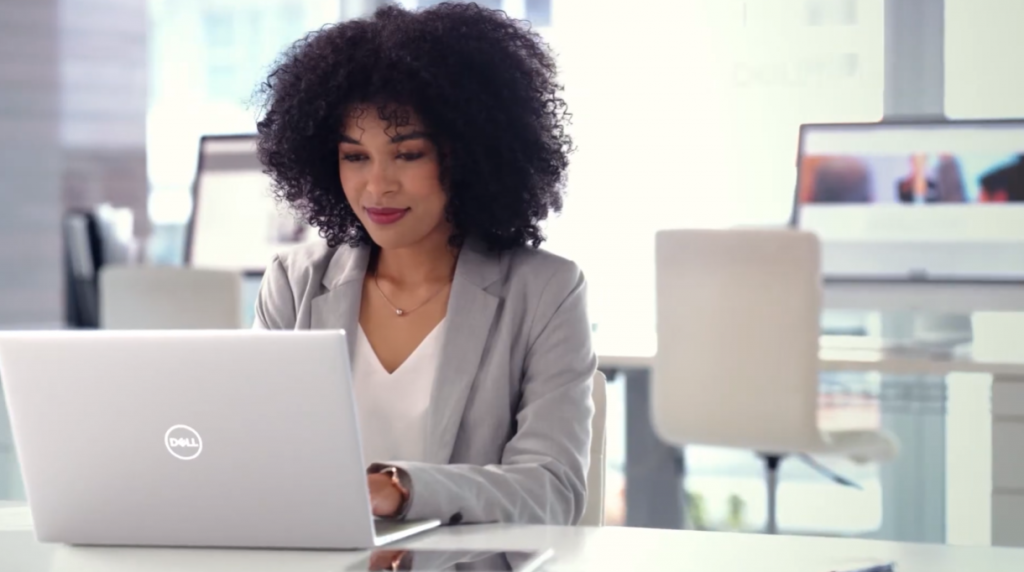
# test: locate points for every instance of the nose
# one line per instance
(382, 180)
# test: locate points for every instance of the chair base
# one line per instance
(772, 463)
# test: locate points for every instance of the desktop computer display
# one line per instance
(236, 222)
(939, 200)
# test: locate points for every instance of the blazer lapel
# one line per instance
(338, 308)
(470, 313)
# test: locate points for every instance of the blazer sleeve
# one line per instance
(542, 475)
(275, 303)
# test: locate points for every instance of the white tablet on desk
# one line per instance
(238, 438)
(428, 560)
(921, 200)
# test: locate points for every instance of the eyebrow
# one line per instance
(345, 138)
(409, 136)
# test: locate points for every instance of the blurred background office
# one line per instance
(685, 113)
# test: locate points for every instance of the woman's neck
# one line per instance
(431, 261)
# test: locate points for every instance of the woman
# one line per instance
(427, 148)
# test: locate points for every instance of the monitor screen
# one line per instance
(236, 222)
(957, 182)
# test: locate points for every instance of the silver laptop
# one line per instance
(191, 438)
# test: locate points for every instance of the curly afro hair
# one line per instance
(483, 85)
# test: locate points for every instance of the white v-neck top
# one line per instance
(392, 407)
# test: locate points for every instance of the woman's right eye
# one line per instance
(353, 157)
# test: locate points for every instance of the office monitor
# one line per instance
(236, 222)
(915, 200)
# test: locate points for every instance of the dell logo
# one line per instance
(183, 442)
(186, 442)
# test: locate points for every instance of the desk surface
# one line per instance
(595, 549)
(846, 353)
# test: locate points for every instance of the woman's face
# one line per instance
(391, 177)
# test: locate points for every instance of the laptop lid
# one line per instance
(188, 438)
(933, 200)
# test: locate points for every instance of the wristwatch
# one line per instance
(396, 481)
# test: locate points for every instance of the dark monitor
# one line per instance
(83, 258)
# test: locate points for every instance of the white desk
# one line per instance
(903, 296)
(838, 353)
(591, 549)
(653, 465)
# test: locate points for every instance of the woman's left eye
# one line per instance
(409, 156)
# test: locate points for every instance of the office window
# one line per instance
(983, 47)
(538, 12)
(690, 119)
(206, 60)
(831, 12)
(493, 4)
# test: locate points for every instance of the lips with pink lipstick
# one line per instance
(385, 215)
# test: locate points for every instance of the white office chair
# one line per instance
(593, 513)
(168, 298)
(738, 315)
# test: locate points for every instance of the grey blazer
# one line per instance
(510, 413)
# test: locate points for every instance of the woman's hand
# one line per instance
(385, 498)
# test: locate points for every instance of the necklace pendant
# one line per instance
(399, 312)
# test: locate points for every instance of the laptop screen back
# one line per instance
(236, 222)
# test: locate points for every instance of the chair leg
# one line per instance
(771, 473)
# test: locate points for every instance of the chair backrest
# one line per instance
(593, 513)
(738, 315)
(169, 298)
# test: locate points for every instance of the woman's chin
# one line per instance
(399, 236)
(389, 239)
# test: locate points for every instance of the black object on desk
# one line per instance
(83, 255)
(889, 567)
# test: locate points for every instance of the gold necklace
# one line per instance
(399, 311)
